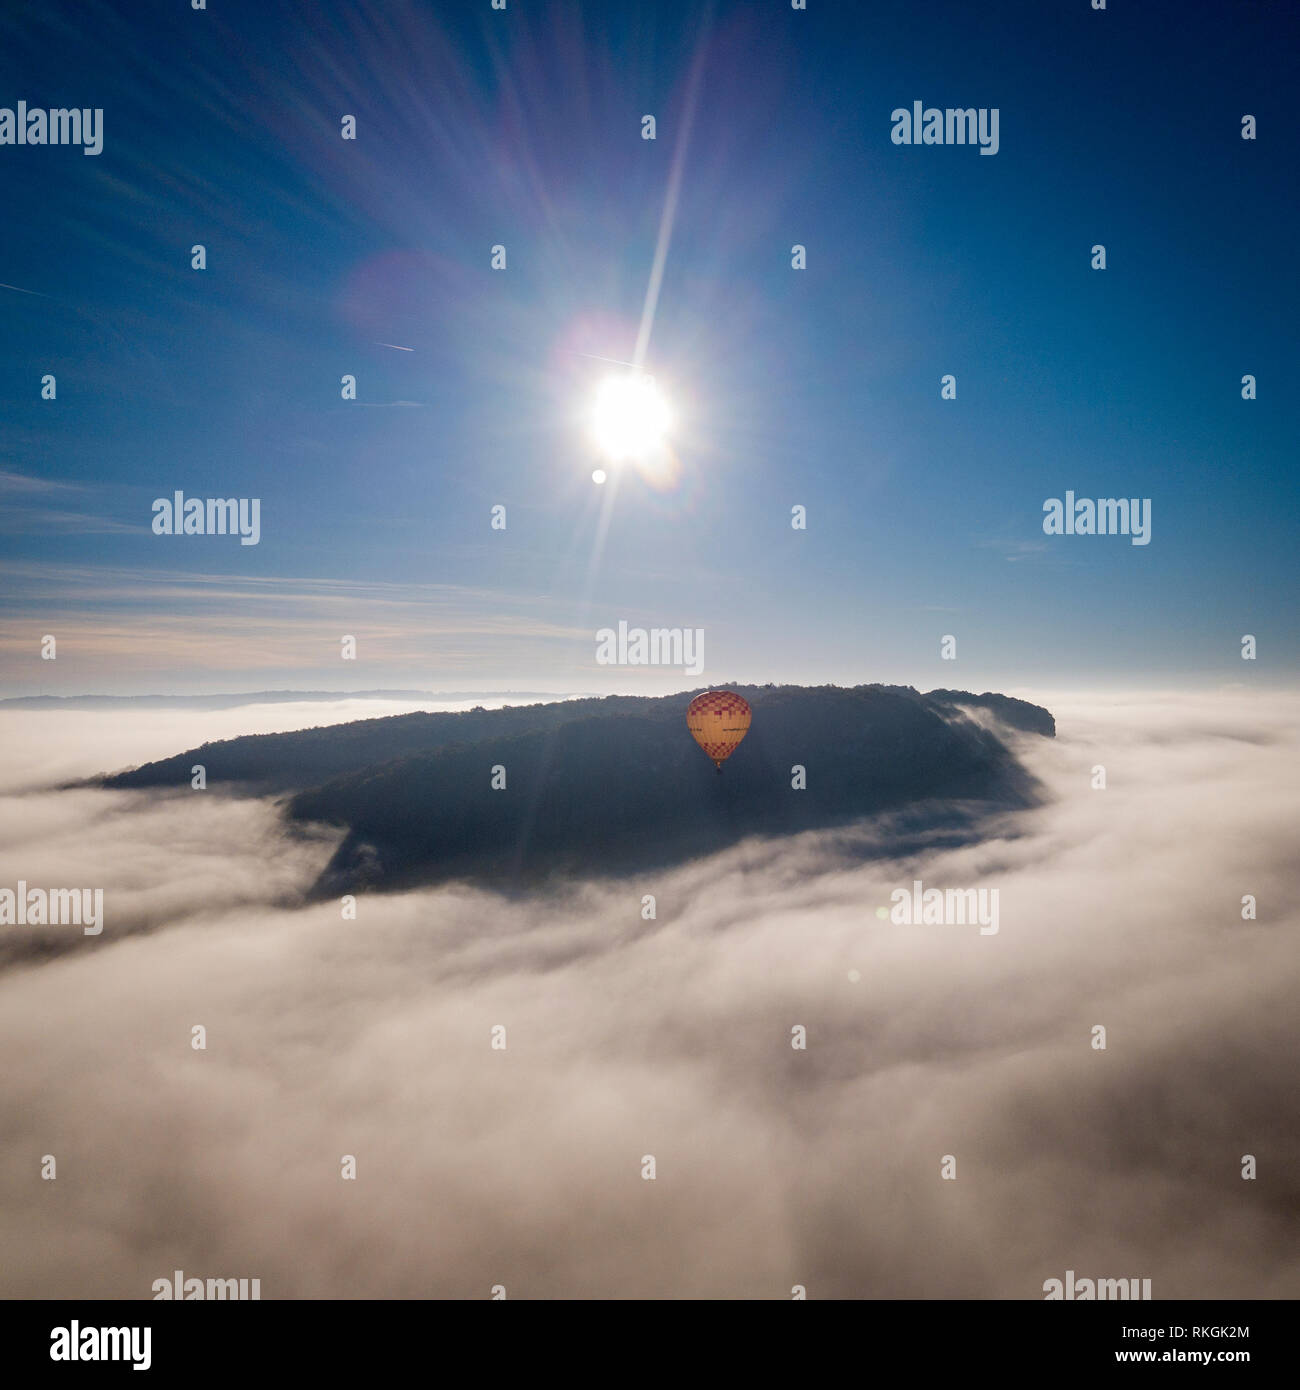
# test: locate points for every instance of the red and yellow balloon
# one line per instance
(718, 720)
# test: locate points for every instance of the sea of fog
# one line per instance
(930, 1049)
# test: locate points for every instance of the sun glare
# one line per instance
(630, 417)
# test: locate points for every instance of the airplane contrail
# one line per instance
(398, 346)
(596, 357)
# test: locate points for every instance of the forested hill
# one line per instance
(309, 757)
(615, 784)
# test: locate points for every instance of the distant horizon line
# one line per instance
(283, 693)
(288, 695)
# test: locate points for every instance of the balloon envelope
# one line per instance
(718, 720)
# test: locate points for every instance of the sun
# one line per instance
(630, 418)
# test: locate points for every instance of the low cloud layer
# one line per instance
(672, 1038)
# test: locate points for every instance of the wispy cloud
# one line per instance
(159, 621)
(28, 520)
(25, 483)
(21, 514)
(1014, 550)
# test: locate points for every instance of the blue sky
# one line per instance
(818, 387)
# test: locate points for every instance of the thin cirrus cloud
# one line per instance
(115, 619)
(31, 506)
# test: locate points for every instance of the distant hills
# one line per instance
(616, 784)
(258, 697)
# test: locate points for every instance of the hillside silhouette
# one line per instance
(599, 786)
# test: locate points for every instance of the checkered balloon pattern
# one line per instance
(718, 720)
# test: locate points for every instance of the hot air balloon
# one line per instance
(718, 720)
